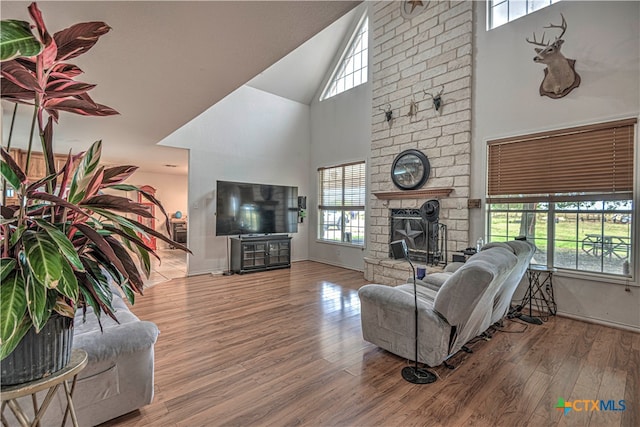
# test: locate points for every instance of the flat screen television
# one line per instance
(244, 208)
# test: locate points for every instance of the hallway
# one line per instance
(173, 265)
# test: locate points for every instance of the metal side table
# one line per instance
(539, 294)
(10, 394)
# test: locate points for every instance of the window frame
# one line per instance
(491, 5)
(342, 207)
(345, 56)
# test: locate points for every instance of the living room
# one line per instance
(489, 92)
(267, 130)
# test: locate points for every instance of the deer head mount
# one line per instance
(560, 76)
(437, 99)
(388, 113)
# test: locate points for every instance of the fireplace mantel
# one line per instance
(414, 194)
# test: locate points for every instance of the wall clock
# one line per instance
(410, 170)
(411, 8)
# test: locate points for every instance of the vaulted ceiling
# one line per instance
(165, 62)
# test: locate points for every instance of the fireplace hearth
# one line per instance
(426, 241)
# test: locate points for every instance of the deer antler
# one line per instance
(437, 95)
(536, 42)
(562, 26)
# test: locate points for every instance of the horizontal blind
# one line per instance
(588, 159)
(343, 186)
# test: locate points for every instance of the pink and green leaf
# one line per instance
(101, 244)
(40, 195)
(79, 106)
(84, 171)
(62, 88)
(14, 93)
(64, 71)
(116, 203)
(17, 74)
(117, 174)
(48, 55)
(79, 38)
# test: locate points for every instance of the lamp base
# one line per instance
(418, 376)
(227, 273)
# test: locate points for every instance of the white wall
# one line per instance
(340, 133)
(249, 136)
(604, 39)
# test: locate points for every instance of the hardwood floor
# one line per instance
(284, 348)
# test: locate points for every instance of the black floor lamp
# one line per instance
(413, 374)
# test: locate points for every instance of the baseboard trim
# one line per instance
(335, 264)
(602, 322)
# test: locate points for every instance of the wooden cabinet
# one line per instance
(179, 231)
(37, 168)
(259, 253)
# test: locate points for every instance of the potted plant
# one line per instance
(70, 240)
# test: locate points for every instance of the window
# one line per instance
(570, 192)
(502, 11)
(341, 209)
(352, 69)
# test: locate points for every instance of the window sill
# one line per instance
(597, 277)
(345, 244)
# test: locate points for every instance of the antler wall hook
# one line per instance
(413, 108)
(437, 99)
(388, 113)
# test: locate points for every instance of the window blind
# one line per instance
(343, 186)
(594, 159)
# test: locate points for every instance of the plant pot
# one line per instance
(39, 355)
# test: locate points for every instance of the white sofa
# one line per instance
(464, 306)
(118, 377)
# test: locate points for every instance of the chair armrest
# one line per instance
(392, 302)
(117, 340)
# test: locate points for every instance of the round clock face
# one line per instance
(410, 170)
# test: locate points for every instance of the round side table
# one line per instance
(10, 394)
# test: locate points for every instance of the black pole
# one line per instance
(414, 374)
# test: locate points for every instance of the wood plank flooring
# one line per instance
(285, 348)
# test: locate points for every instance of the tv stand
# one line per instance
(260, 253)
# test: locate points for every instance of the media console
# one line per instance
(260, 253)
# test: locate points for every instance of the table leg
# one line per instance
(17, 411)
(70, 408)
(34, 401)
(45, 404)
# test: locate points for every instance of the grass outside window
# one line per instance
(592, 236)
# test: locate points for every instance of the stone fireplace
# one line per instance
(428, 53)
